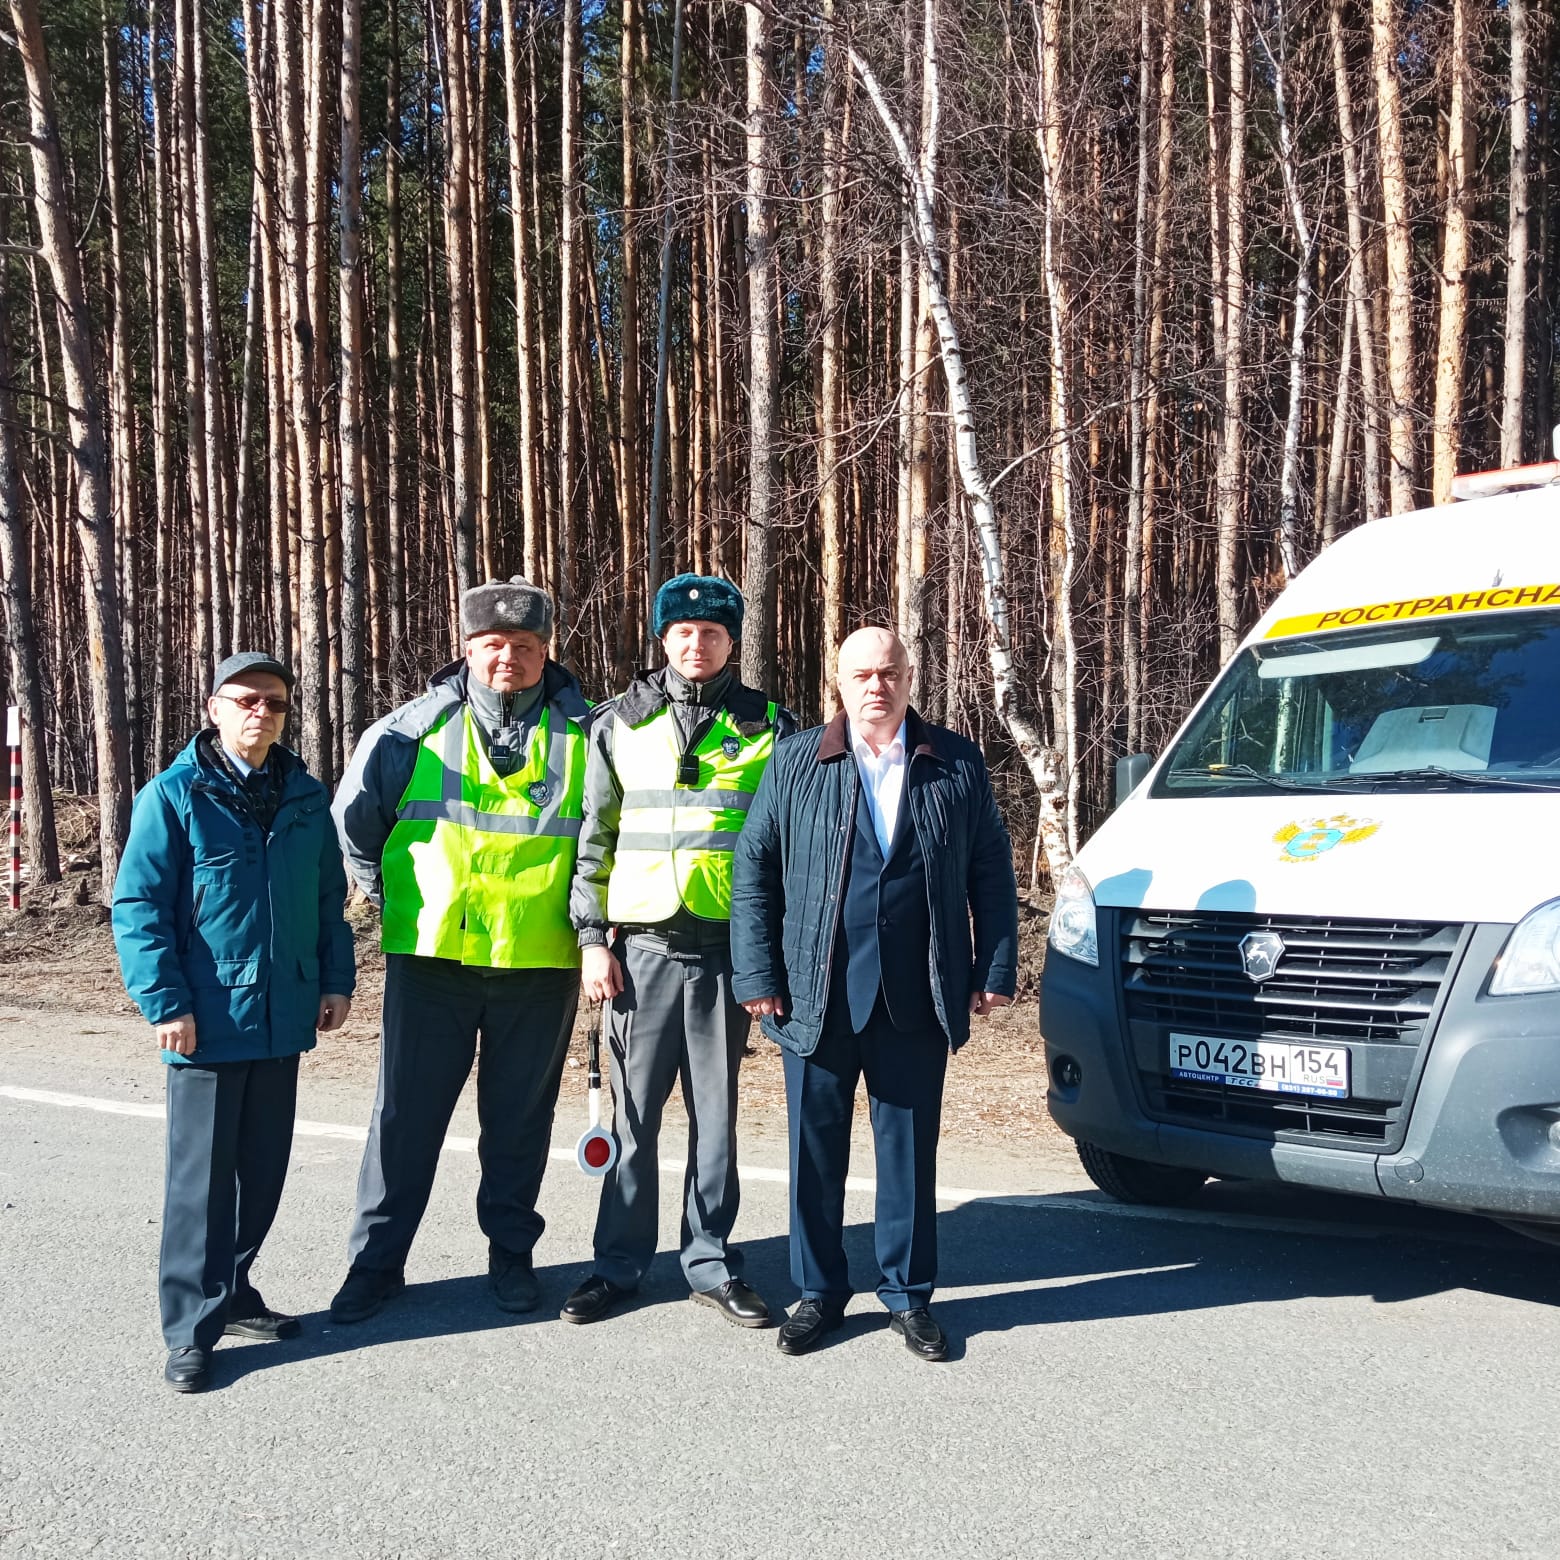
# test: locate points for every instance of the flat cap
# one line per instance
(509, 606)
(702, 598)
(246, 662)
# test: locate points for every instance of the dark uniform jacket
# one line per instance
(790, 871)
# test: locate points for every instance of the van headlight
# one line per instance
(1530, 961)
(1072, 919)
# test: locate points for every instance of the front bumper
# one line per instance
(1484, 1125)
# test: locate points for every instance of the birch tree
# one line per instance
(1044, 763)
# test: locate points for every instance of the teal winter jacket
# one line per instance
(240, 926)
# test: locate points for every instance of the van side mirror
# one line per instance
(1130, 774)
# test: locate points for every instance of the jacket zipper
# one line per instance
(189, 935)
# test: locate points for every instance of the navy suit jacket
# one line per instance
(789, 875)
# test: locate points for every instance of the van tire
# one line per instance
(1136, 1180)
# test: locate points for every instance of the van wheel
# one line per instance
(1547, 1234)
(1136, 1180)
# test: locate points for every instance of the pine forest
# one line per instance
(1057, 334)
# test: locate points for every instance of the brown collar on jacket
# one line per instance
(919, 738)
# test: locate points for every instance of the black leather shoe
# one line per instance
(260, 1321)
(736, 1301)
(805, 1327)
(512, 1278)
(364, 1292)
(923, 1337)
(188, 1370)
(593, 1299)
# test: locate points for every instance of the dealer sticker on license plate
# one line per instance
(1262, 1064)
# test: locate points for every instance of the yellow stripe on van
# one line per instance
(1412, 608)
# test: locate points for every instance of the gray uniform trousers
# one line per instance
(434, 1010)
(675, 1018)
(230, 1127)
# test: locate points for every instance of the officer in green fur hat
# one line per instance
(672, 766)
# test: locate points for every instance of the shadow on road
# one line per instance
(1068, 1264)
(1048, 1261)
(453, 1306)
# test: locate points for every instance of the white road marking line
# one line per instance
(452, 1145)
(1041, 1201)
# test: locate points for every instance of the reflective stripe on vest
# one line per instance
(675, 842)
(477, 867)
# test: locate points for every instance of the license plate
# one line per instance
(1269, 1065)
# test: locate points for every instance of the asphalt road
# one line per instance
(1265, 1375)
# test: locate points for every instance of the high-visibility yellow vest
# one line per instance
(477, 867)
(675, 842)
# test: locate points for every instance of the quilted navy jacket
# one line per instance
(237, 925)
(790, 872)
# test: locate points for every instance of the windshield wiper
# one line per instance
(1474, 778)
(1241, 772)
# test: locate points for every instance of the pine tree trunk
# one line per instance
(458, 258)
(214, 451)
(533, 547)
(162, 401)
(1400, 292)
(1454, 273)
(831, 494)
(354, 525)
(122, 408)
(758, 638)
(1513, 376)
(94, 525)
(568, 326)
(197, 467)
(16, 594)
(293, 187)
(1229, 481)
(630, 520)
(395, 522)
(1359, 288)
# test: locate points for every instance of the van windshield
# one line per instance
(1458, 704)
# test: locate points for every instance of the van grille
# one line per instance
(1371, 985)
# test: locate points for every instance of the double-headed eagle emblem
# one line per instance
(1312, 837)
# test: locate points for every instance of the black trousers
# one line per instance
(434, 1011)
(230, 1127)
(904, 1072)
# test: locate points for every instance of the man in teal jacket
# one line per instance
(228, 921)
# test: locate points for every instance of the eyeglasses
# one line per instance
(256, 701)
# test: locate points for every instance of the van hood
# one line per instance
(1443, 856)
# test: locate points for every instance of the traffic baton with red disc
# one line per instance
(597, 1149)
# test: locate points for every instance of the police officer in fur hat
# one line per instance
(459, 816)
(674, 762)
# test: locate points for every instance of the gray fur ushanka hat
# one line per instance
(507, 606)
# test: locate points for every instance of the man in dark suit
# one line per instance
(872, 847)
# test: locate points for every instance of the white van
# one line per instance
(1319, 942)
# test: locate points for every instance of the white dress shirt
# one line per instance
(883, 777)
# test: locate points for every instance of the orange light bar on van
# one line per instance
(1485, 484)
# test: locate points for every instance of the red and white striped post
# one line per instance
(13, 740)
